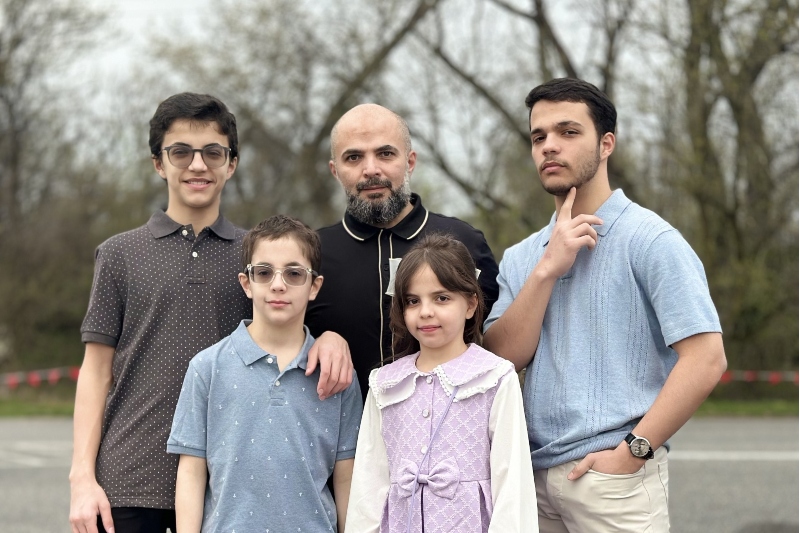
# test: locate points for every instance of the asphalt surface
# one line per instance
(726, 475)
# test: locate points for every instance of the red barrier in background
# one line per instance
(35, 378)
(773, 377)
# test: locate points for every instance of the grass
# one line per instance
(58, 400)
(760, 407)
(45, 400)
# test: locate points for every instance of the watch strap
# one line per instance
(629, 438)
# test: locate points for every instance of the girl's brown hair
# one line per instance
(454, 267)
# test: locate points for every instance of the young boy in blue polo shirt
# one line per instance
(256, 443)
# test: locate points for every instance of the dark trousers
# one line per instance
(140, 520)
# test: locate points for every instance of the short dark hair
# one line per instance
(199, 108)
(277, 227)
(601, 109)
(454, 267)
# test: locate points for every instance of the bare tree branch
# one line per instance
(613, 24)
(547, 35)
(472, 81)
(357, 81)
(479, 197)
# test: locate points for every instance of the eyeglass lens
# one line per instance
(291, 275)
(181, 156)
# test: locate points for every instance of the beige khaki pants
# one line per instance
(604, 503)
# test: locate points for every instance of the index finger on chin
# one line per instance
(569, 200)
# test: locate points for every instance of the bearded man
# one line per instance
(372, 159)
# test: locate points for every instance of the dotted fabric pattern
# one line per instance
(161, 294)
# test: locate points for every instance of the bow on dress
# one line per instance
(442, 479)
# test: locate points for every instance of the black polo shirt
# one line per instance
(161, 293)
(355, 263)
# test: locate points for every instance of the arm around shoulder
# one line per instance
(332, 353)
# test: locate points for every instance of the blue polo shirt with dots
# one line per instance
(269, 442)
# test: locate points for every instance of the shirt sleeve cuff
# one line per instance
(346, 454)
(185, 450)
(91, 336)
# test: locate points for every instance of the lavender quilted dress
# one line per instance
(454, 491)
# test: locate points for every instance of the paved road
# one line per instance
(727, 475)
(735, 475)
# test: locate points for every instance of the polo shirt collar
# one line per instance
(249, 352)
(161, 225)
(609, 212)
(224, 228)
(408, 228)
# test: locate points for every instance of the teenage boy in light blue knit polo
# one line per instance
(256, 443)
(608, 308)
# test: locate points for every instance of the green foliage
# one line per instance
(747, 391)
(45, 283)
(46, 400)
(739, 407)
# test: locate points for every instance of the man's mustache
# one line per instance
(373, 182)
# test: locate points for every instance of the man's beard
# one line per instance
(379, 212)
(584, 172)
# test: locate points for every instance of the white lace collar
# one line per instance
(474, 372)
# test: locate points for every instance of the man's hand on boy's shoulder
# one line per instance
(332, 353)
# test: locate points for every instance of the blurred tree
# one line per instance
(734, 160)
(36, 39)
(45, 265)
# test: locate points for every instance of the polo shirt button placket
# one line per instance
(196, 274)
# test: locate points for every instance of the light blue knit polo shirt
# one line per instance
(604, 351)
(269, 442)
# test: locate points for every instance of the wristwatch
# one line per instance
(639, 446)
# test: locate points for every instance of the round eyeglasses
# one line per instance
(181, 155)
(293, 275)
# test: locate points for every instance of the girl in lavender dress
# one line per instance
(443, 445)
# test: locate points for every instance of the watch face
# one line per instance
(640, 447)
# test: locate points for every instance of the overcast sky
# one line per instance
(135, 20)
